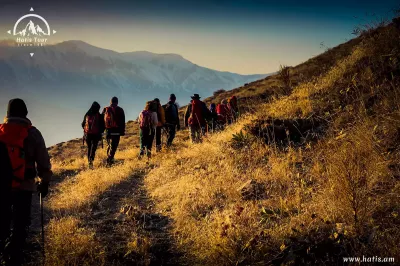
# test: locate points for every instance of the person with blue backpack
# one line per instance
(148, 123)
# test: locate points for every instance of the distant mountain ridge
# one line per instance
(72, 74)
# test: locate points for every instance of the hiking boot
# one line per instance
(110, 161)
(148, 155)
(158, 148)
(141, 154)
(91, 165)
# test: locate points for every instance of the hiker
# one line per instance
(114, 119)
(172, 119)
(93, 127)
(214, 117)
(195, 117)
(223, 113)
(23, 158)
(148, 122)
(233, 107)
(161, 121)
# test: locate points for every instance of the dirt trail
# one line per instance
(123, 214)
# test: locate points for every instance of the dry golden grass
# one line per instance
(340, 189)
(87, 185)
(70, 244)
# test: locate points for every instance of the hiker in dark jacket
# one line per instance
(161, 122)
(93, 126)
(114, 119)
(171, 119)
(233, 107)
(148, 121)
(196, 116)
(213, 117)
(16, 193)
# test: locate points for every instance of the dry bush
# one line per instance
(356, 173)
(218, 92)
(67, 243)
(285, 78)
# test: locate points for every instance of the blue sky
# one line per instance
(247, 37)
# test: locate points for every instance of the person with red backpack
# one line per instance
(93, 126)
(147, 122)
(114, 119)
(23, 158)
(195, 117)
(223, 113)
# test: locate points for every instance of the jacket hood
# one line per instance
(17, 120)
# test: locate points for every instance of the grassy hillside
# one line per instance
(309, 176)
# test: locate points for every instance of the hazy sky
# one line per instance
(246, 36)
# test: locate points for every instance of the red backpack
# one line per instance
(13, 136)
(145, 119)
(196, 117)
(92, 124)
(222, 112)
(110, 117)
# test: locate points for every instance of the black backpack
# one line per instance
(6, 175)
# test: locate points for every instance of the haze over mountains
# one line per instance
(61, 81)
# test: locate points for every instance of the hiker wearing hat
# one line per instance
(114, 119)
(25, 168)
(161, 122)
(195, 118)
(172, 119)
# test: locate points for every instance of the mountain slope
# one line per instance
(313, 179)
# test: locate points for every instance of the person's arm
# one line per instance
(42, 157)
(154, 119)
(206, 112)
(84, 121)
(187, 114)
(178, 126)
(162, 114)
(122, 121)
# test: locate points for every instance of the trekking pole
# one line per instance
(42, 221)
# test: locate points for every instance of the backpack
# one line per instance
(145, 119)
(222, 112)
(110, 117)
(196, 117)
(233, 103)
(12, 137)
(154, 107)
(170, 117)
(92, 124)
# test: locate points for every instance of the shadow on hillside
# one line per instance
(124, 214)
(287, 132)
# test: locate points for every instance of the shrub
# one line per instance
(285, 78)
(218, 92)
